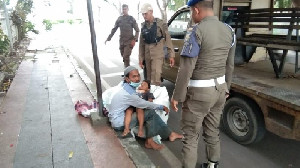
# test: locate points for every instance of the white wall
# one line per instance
(260, 4)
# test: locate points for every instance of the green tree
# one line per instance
(282, 3)
(19, 18)
(175, 4)
(4, 43)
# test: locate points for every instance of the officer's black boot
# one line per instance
(210, 165)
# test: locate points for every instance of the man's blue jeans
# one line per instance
(153, 124)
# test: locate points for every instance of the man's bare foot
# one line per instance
(150, 144)
(141, 133)
(173, 136)
(125, 132)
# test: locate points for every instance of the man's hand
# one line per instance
(141, 64)
(105, 42)
(174, 104)
(226, 95)
(166, 110)
(132, 43)
(140, 91)
(172, 61)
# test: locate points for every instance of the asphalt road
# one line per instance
(271, 152)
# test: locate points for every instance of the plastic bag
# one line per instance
(85, 109)
(82, 106)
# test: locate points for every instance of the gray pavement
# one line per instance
(40, 127)
(48, 132)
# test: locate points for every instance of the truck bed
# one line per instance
(259, 78)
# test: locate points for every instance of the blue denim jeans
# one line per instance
(153, 124)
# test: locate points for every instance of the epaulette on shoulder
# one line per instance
(158, 20)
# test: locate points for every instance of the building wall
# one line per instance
(260, 4)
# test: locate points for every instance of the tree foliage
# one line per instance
(175, 4)
(4, 43)
(19, 18)
(282, 3)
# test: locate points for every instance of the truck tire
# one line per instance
(243, 121)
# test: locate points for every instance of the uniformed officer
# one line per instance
(127, 40)
(203, 82)
(154, 35)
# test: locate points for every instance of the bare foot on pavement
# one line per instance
(150, 144)
(125, 132)
(141, 133)
(173, 136)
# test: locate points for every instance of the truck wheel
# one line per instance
(243, 121)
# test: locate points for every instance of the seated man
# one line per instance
(144, 93)
(127, 97)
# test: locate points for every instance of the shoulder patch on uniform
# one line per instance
(191, 47)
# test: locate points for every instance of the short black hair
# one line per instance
(148, 82)
(205, 4)
(124, 6)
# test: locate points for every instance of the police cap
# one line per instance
(193, 2)
(146, 7)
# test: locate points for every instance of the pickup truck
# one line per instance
(258, 100)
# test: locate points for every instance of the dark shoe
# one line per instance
(209, 165)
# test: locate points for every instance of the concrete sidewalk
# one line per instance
(39, 126)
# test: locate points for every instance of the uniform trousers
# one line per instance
(154, 59)
(125, 50)
(202, 108)
(154, 70)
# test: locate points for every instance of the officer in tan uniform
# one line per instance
(154, 35)
(127, 40)
(203, 82)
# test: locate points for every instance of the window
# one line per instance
(179, 24)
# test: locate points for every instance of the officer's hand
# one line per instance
(141, 64)
(174, 104)
(172, 61)
(132, 43)
(166, 110)
(105, 42)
